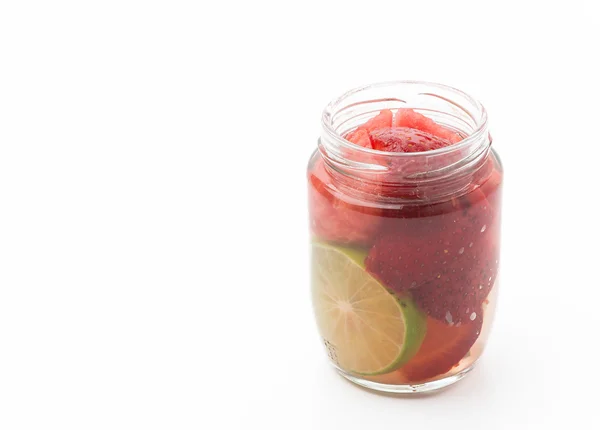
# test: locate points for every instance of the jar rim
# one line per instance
(477, 134)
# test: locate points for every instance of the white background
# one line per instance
(153, 224)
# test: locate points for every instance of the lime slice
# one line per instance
(366, 328)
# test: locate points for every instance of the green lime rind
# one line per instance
(415, 321)
(416, 329)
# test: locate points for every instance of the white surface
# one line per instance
(153, 231)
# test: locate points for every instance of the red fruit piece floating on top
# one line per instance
(361, 137)
(409, 118)
(442, 348)
(404, 139)
(383, 120)
(333, 217)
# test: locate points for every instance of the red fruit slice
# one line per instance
(443, 348)
(490, 188)
(383, 120)
(404, 139)
(409, 118)
(466, 282)
(469, 266)
(414, 251)
(337, 220)
(461, 288)
(360, 137)
(447, 255)
(408, 251)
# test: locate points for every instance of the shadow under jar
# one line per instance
(405, 245)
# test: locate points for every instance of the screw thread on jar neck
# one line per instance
(435, 174)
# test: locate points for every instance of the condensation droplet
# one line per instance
(483, 228)
(473, 316)
(461, 250)
(448, 317)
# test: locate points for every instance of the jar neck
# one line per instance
(431, 175)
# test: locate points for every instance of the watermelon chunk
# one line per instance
(360, 137)
(409, 118)
(383, 120)
(334, 217)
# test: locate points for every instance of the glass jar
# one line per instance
(405, 245)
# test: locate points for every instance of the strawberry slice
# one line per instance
(446, 254)
(413, 251)
(464, 279)
(409, 118)
(404, 139)
(333, 216)
(443, 348)
(465, 283)
(408, 252)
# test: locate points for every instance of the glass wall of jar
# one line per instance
(404, 207)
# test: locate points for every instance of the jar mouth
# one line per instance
(464, 108)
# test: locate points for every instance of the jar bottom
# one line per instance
(425, 387)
